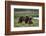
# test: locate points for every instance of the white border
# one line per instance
(25, 28)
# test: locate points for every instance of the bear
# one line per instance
(20, 19)
(30, 21)
(26, 19)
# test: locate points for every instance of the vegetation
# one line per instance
(35, 21)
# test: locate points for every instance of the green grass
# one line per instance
(33, 15)
(35, 21)
(35, 24)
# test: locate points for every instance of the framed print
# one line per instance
(24, 17)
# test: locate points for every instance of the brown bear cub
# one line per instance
(30, 21)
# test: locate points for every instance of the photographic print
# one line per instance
(26, 17)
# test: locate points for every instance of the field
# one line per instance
(35, 21)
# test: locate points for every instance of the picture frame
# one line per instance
(10, 5)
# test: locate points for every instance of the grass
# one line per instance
(35, 24)
(18, 15)
(35, 21)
